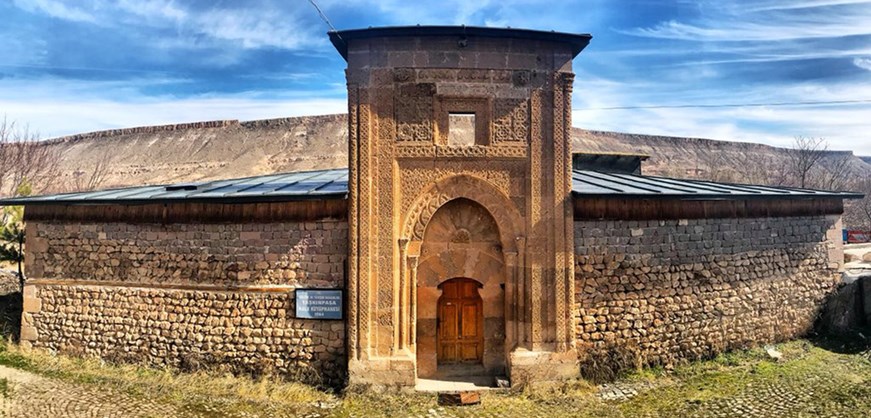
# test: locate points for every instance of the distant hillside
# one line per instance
(741, 162)
(229, 148)
(206, 150)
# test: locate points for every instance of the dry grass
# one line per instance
(199, 392)
(841, 382)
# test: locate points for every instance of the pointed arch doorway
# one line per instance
(461, 276)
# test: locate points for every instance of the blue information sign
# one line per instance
(319, 303)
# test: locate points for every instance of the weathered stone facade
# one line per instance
(404, 85)
(245, 331)
(189, 294)
(662, 291)
(299, 254)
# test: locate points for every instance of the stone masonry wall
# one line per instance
(187, 295)
(302, 254)
(659, 292)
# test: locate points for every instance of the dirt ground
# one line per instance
(814, 378)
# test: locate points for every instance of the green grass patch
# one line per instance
(841, 381)
(13, 359)
(198, 393)
(4, 388)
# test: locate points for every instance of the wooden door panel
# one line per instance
(449, 353)
(448, 336)
(470, 290)
(449, 322)
(460, 322)
(469, 323)
(469, 351)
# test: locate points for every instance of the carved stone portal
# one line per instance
(462, 241)
(495, 211)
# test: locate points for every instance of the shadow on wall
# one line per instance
(845, 323)
(10, 316)
(846, 315)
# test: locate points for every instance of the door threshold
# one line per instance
(450, 371)
(455, 384)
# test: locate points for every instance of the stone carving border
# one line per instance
(502, 209)
(478, 151)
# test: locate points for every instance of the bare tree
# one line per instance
(857, 213)
(24, 159)
(804, 156)
(94, 177)
(762, 168)
(713, 164)
(833, 172)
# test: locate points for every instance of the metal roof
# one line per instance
(301, 185)
(608, 163)
(340, 38)
(333, 184)
(597, 184)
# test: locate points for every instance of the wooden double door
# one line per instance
(460, 325)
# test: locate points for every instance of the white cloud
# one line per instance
(863, 63)
(248, 26)
(846, 127)
(773, 30)
(56, 9)
(798, 28)
(70, 117)
(763, 5)
(539, 14)
(256, 29)
(778, 21)
(154, 10)
(56, 107)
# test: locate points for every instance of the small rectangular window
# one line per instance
(461, 129)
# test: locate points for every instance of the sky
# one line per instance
(652, 67)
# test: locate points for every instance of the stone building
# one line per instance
(463, 237)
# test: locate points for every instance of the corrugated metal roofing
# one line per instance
(302, 185)
(597, 184)
(333, 184)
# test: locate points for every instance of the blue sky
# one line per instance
(84, 65)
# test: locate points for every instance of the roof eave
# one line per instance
(340, 39)
(693, 197)
(212, 200)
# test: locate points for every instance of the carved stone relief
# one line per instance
(413, 112)
(403, 172)
(510, 120)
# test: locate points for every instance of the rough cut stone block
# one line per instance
(459, 398)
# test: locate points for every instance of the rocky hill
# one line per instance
(204, 150)
(229, 148)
